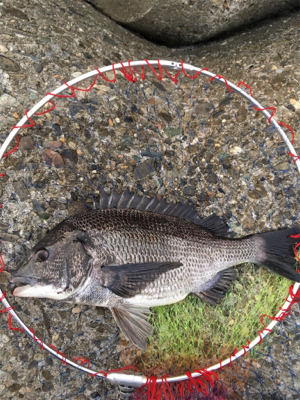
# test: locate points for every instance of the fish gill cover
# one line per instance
(158, 133)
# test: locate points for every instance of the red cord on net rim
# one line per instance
(131, 72)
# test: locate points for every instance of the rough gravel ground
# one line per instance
(190, 142)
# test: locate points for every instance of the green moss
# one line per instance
(191, 331)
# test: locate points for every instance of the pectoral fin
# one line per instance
(133, 323)
(129, 280)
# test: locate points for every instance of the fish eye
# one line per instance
(41, 255)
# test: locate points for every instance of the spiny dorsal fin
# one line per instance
(214, 223)
(218, 287)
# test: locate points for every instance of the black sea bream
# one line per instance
(135, 252)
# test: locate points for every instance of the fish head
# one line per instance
(54, 268)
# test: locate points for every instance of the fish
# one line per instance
(135, 252)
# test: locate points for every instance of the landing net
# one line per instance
(185, 134)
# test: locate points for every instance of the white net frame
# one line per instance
(137, 380)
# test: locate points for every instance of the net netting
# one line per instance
(185, 137)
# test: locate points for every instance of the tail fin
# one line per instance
(279, 252)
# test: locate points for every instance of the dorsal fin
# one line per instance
(214, 223)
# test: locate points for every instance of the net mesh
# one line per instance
(194, 141)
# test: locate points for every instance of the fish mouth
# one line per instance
(33, 287)
(22, 291)
(23, 279)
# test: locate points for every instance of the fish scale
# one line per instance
(131, 259)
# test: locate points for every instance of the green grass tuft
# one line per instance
(191, 332)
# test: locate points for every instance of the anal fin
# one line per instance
(218, 287)
(132, 320)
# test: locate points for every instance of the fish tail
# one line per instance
(278, 251)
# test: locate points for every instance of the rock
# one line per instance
(8, 65)
(47, 375)
(3, 226)
(258, 192)
(291, 107)
(26, 143)
(32, 364)
(4, 339)
(74, 196)
(3, 49)
(15, 387)
(212, 177)
(19, 250)
(26, 235)
(47, 156)
(4, 277)
(6, 120)
(76, 74)
(76, 107)
(295, 104)
(128, 119)
(43, 216)
(53, 144)
(102, 88)
(144, 169)
(282, 166)
(53, 158)
(38, 206)
(38, 68)
(7, 101)
(189, 190)
(72, 145)
(47, 387)
(218, 113)
(14, 375)
(15, 13)
(165, 115)
(203, 197)
(95, 395)
(82, 397)
(171, 132)
(70, 155)
(241, 114)
(58, 161)
(226, 163)
(87, 133)
(21, 190)
(151, 154)
(14, 352)
(177, 22)
(203, 107)
(236, 150)
(8, 237)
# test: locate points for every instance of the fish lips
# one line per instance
(25, 273)
(33, 287)
(23, 279)
(29, 282)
